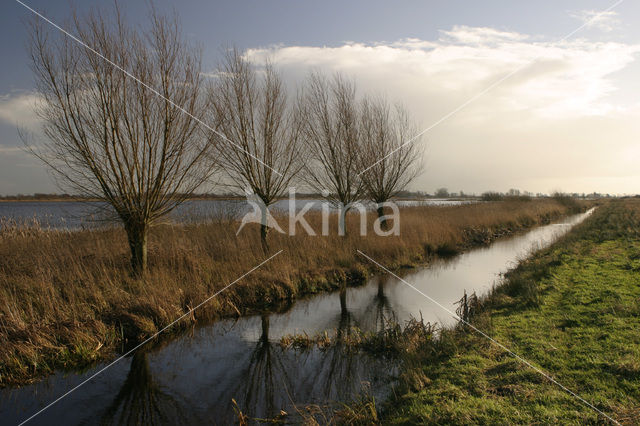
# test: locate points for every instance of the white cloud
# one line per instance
(604, 21)
(567, 86)
(567, 78)
(481, 35)
(18, 109)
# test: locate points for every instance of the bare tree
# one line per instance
(329, 110)
(387, 161)
(260, 152)
(135, 145)
(442, 193)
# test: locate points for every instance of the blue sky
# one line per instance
(567, 121)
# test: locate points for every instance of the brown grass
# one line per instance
(66, 298)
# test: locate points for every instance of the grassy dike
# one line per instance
(67, 300)
(573, 310)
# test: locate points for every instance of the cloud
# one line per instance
(604, 21)
(567, 77)
(480, 35)
(559, 104)
(18, 109)
(11, 150)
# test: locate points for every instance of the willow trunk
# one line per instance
(382, 218)
(137, 234)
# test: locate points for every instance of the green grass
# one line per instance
(573, 310)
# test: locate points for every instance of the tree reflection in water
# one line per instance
(140, 400)
(340, 373)
(264, 379)
(277, 378)
(345, 372)
(265, 376)
(379, 312)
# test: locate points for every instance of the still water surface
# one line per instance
(192, 378)
(75, 215)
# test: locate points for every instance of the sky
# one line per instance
(541, 96)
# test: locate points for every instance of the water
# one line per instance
(76, 215)
(193, 378)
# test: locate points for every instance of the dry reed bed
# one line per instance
(66, 298)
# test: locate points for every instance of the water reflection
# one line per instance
(89, 214)
(381, 309)
(140, 400)
(265, 373)
(343, 371)
(277, 379)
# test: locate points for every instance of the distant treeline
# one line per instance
(516, 195)
(512, 194)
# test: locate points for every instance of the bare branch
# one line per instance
(109, 136)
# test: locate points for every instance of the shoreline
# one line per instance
(223, 198)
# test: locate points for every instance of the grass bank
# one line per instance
(573, 310)
(66, 298)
